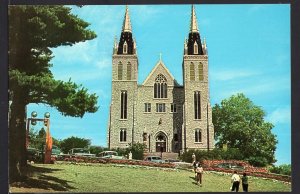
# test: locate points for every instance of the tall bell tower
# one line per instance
(198, 130)
(124, 87)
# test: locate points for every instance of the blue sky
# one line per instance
(248, 47)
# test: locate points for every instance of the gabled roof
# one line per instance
(160, 68)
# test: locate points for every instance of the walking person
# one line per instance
(199, 171)
(195, 165)
(235, 180)
(193, 158)
(245, 182)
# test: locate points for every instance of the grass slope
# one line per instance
(110, 178)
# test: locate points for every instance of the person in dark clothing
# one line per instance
(245, 182)
(195, 165)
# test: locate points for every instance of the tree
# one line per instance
(240, 124)
(33, 30)
(38, 138)
(97, 149)
(285, 169)
(137, 150)
(74, 142)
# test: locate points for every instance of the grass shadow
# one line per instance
(37, 179)
(38, 169)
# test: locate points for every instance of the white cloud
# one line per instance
(67, 55)
(255, 8)
(104, 64)
(144, 12)
(231, 74)
(280, 115)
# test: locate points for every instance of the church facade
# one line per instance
(165, 116)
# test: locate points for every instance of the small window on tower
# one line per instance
(120, 71)
(125, 48)
(192, 71)
(128, 71)
(198, 135)
(195, 48)
(200, 71)
(123, 135)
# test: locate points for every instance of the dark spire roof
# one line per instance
(126, 43)
(194, 46)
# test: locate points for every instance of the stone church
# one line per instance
(165, 116)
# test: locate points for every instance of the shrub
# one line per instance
(284, 169)
(137, 150)
(97, 149)
(257, 161)
(215, 154)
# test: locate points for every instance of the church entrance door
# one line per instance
(161, 142)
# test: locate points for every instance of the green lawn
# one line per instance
(112, 178)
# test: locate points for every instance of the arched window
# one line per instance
(123, 134)
(128, 71)
(198, 135)
(120, 71)
(160, 87)
(197, 105)
(200, 71)
(192, 71)
(125, 48)
(195, 48)
(124, 105)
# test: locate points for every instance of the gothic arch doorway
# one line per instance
(161, 142)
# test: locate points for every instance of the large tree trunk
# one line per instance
(17, 138)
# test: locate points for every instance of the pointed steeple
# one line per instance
(194, 24)
(126, 23)
(126, 44)
(194, 46)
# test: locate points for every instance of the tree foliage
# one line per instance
(74, 142)
(33, 31)
(240, 124)
(137, 150)
(37, 139)
(285, 169)
(97, 149)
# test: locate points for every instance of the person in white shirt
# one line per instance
(235, 180)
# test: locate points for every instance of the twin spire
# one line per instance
(193, 26)
(192, 45)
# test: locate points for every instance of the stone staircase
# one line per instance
(165, 155)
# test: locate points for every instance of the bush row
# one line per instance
(118, 161)
(221, 154)
(245, 165)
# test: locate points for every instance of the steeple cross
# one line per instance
(160, 56)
